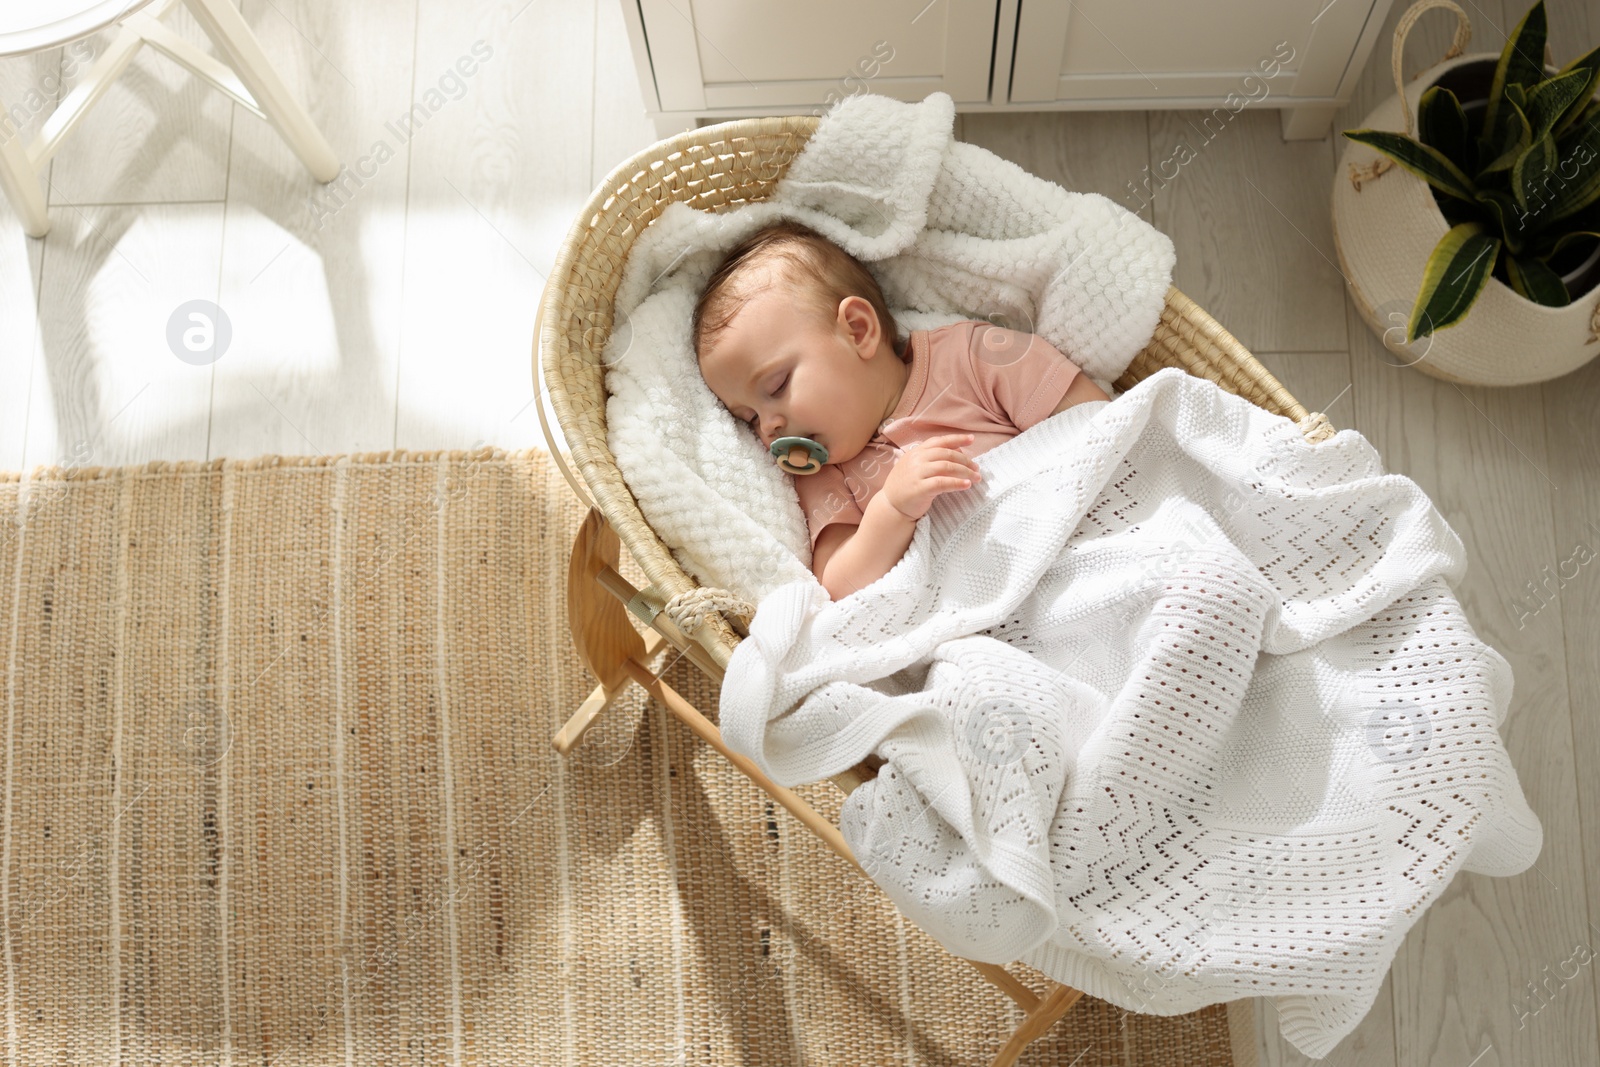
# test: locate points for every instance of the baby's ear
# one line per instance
(860, 320)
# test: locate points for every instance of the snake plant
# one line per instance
(1517, 181)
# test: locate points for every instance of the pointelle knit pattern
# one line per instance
(1175, 706)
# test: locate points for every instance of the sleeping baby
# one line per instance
(794, 336)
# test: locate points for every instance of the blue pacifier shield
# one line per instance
(815, 455)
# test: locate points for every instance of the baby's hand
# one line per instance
(922, 473)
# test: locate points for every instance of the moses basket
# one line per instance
(718, 168)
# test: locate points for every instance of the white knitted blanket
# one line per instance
(1176, 707)
(950, 230)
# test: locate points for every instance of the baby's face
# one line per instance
(782, 368)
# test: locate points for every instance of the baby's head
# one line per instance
(793, 334)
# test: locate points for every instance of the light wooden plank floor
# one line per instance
(396, 310)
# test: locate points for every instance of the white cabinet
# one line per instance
(710, 55)
(717, 59)
(1092, 49)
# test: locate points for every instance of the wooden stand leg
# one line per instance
(1039, 1020)
(614, 652)
(601, 632)
(708, 732)
(568, 736)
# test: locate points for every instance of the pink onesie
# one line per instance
(969, 377)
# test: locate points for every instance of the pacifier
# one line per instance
(799, 455)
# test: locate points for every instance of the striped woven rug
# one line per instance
(278, 788)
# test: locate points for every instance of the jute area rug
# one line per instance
(279, 789)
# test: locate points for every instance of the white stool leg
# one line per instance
(20, 182)
(224, 25)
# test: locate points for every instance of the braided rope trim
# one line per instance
(1458, 45)
(1369, 172)
(690, 608)
(1315, 427)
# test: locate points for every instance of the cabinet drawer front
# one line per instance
(1104, 49)
(732, 53)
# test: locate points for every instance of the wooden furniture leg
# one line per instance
(616, 654)
(1055, 1004)
(227, 28)
(604, 637)
(250, 81)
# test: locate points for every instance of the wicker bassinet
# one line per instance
(717, 168)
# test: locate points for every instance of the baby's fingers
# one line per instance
(950, 462)
(948, 440)
(951, 475)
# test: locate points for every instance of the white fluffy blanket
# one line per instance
(1176, 707)
(950, 230)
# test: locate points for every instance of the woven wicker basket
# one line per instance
(717, 168)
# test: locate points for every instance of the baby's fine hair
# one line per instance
(823, 272)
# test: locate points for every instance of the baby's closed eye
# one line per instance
(750, 420)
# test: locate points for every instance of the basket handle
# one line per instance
(1403, 27)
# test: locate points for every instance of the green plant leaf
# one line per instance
(1457, 270)
(1550, 100)
(1530, 178)
(1521, 60)
(1590, 110)
(1442, 124)
(1536, 281)
(1513, 138)
(1583, 131)
(1583, 221)
(1498, 180)
(1425, 162)
(1577, 175)
(1568, 130)
(1512, 220)
(1590, 63)
(1565, 239)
